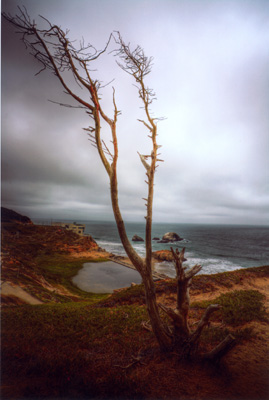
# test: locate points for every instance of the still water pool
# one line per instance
(104, 277)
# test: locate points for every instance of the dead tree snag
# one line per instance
(72, 66)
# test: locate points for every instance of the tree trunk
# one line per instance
(51, 47)
(158, 328)
(160, 331)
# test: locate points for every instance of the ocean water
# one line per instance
(217, 248)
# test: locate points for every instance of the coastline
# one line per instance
(42, 260)
(82, 339)
(125, 261)
(44, 314)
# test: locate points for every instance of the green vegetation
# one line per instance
(86, 350)
(66, 322)
(58, 270)
(35, 256)
(215, 334)
(74, 348)
(82, 345)
(237, 307)
(242, 306)
(132, 295)
(206, 283)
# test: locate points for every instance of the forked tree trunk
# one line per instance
(185, 341)
(156, 322)
(159, 329)
(55, 51)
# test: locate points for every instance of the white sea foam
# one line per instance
(117, 248)
(165, 267)
(112, 247)
(212, 265)
(209, 266)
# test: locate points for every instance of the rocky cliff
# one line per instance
(26, 246)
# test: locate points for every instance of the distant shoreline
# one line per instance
(127, 263)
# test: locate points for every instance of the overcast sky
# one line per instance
(211, 78)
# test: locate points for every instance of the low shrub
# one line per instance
(237, 307)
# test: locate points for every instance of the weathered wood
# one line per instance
(158, 326)
(183, 278)
(221, 350)
(51, 47)
(203, 322)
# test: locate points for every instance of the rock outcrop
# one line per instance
(137, 238)
(170, 237)
(8, 215)
(164, 255)
(26, 245)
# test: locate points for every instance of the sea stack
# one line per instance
(170, 237)
(137, 238)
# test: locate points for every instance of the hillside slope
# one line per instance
(95, 346)
(29, 252)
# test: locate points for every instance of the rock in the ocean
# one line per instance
(137, 238)
(156, 238)
(171, 237)
(164, 255)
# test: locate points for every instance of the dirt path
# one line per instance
(9, 289)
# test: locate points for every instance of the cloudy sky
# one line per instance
(211, 78)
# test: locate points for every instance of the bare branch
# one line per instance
(172, 313)
(203, 322)
(144, 162)
(143, 122)
(67, 105)
(107, 150)
(193, 271)
(219, 351)
(73, 65)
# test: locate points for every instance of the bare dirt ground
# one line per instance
(10, 290)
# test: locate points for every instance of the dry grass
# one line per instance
(83, 348)
(80, 350)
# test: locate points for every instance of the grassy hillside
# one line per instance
(43, 259)
(81, 350)
(78, 345)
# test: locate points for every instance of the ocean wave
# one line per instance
(140, 249)
(112, 247)
(118, 249)
(166, 268)
(209, 266)
(236, 256)
(213, 265)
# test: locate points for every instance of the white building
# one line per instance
(75, 227)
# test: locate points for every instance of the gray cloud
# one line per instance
(211, 78)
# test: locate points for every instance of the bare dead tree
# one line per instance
(55, 52)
